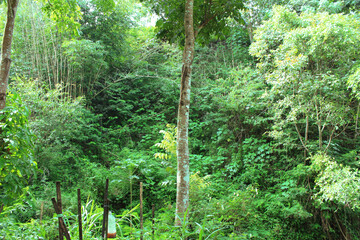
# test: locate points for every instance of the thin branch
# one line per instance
(300, 137)
(342, 130)
(307, 128)
(330, 139)
(340, 227)
(203, 24)
(357, 121)
(325, 122)
(120, 79)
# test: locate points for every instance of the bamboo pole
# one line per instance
(45, 55)
(79, 214)
(58, 198)
(61, 220)
(41, 212)
(153, 221)
(141, 211)
(131, 197)
(106, 211)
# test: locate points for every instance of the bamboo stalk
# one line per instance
(61, 220)
(153, 221)
(35, 48)
(79, 214)
(58, 196)
(106, 211)
(130, 175)
(45, 56)
(141, 211)
(41, 212)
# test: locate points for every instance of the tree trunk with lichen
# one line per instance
(182, 150)
(6, 50)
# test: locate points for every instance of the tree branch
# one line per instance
(300, 137)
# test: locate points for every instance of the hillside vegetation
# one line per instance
(274, 133)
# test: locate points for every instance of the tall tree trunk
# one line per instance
(250, 30)
(6, 50)
(183, 173)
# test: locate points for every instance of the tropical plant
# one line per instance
(296, 52)
(17, 162)
(336, 182)
(168, 144)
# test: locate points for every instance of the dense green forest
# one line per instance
(274, 132)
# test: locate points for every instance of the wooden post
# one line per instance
(62, 225)
(58, 198)
(79, 214)
(106, 211)
(153, 220)
(41, 212)
(131, 198)
(141, 211)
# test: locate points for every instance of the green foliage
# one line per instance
(256, 161)
(296, 52)
(134, 103)
(20, 220)
(17, 163)
(354, 80)
(68, 135)
(106, 27)
(245, 88)
(36, 49)
(133, 167)
(91, 215)
(106, 6)
(32, 229)
(168, 144)
(321, 43)
(324, 6)
(87, 59)
(244, 185)
(210, 18)
(239, 43)
(64, 13)
(336, 182)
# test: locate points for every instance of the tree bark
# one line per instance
(250, 31)
(182, 150)
(6, 50)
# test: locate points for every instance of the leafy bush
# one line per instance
(307, 59)
(336, 182)
(17, 163)
(11, 226)
(68, 133)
